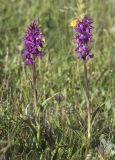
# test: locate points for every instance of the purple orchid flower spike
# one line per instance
(83, 36)
(33, 44)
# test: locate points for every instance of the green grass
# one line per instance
(60, 132)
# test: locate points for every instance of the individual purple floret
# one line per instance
(33, 44)
(83, 36)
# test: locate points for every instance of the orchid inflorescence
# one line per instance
(83, 36)
(33, 44)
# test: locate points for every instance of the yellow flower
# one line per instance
(43, 39)
(73, 23)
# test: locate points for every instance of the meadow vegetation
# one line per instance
(59, 131)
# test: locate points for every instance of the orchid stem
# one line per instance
(34, 85)
(88, 102)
